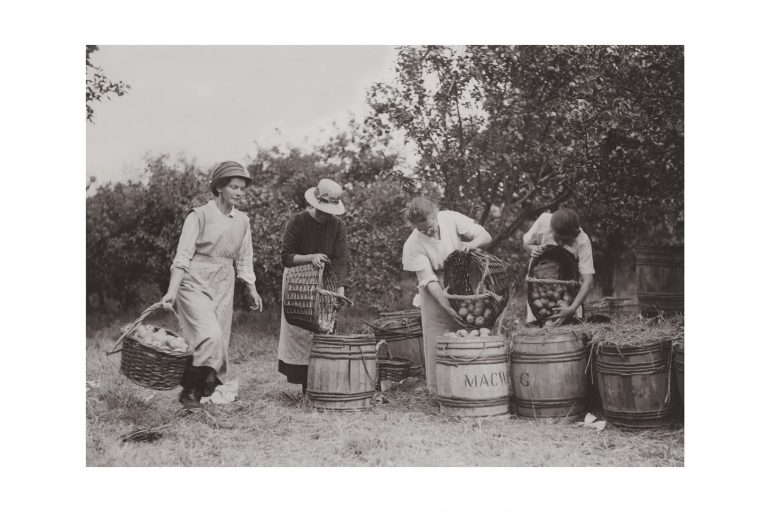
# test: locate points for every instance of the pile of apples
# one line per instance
(545, 298)
(161, 339)
(477, 313)
(463, 333)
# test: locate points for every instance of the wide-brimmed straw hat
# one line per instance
(228, 169)
(326, 197)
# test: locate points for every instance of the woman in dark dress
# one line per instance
(315, 236)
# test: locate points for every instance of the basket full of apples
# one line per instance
(153, 357)
(552, 281)
(477, 287)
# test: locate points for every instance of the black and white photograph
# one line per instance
(407, 256)
(385, 255)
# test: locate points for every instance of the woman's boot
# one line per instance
(206, 381)
(189, 396)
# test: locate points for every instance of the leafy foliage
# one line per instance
(97, 85)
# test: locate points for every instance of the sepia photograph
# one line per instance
(385, 255)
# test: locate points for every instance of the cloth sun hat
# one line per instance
(326, 197)
(229, 169)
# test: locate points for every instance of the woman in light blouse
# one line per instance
(436, 235)
(214, 247)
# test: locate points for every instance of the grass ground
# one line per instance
(266, 427)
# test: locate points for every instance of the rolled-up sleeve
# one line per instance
(186, 247)
(467, 227)
(531, 237)
(340, 259)
(584, 253)
(416, 261)
(291, 241)
(244, 263)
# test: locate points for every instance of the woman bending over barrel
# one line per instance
(562, 228)
(317, 236)
(436, 235)
(215, 245)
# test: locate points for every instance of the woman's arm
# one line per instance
(244, 267)
(292, 244)
(177, 274)
(184, 252)
(437, 292)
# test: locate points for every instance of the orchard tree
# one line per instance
(97, 84)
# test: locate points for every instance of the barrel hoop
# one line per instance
(631, 369)
(371, 342)
(638, 415)
(488, 360)
(617, 350)
(327, 396)
(348, 357)
(548, 403)
(472, 403)
(549, 358)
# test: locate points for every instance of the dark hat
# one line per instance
(229, 169)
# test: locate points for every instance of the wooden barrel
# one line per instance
(660, 282)
(677, 361)
(342, 371)
(634, 384)
(549, 377)
(472, 376)
(403, 332)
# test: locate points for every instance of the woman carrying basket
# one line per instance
(214, 247)
(436, 235)
(315, 236)
(562, 228)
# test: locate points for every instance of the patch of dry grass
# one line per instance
(265, 427)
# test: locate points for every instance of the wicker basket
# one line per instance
(562, 278)
(395, 325)
(391, 368)
(477, 276)
(148, 366)
(310, 300)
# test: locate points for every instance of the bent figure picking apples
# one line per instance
(561, 228)
(436, 234)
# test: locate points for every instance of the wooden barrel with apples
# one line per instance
(342, 372)
(472, 376)
(549, 378)
(660, 279)
(635, 383)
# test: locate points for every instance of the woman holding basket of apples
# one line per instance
(436, 235)
(214, 248)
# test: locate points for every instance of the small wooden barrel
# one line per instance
(660, 279)
(342, 371)
(403, 333)
(634, 384)
(549, 377)
(678, 362)
(472, 376)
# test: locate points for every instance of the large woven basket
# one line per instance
(310, 300)
(563, 277)
(476, 275)
(397, 324)
(391, 368)
(147, 366)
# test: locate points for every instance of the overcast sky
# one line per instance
(216, 103)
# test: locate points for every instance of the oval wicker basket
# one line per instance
(568, 277)
(477, 275)
(310, 300)
(148, 366)
(391, 368)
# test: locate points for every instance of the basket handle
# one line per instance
(345, 302)
(133, 325)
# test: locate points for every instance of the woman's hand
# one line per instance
(319, 259)
(256, 299)
(169, 299)
(564, 312)
(537, 250)
(340, 290)
(455, 315)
